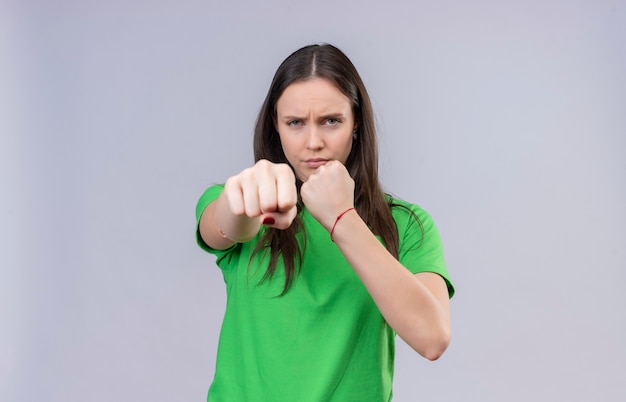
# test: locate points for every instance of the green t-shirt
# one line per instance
(325, 339)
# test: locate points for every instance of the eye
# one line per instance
(332, 121)
(294, 123)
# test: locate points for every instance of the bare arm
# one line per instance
(415, 306)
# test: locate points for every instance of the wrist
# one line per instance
(231, 226)
(339, 217)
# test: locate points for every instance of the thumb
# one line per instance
(279, 220)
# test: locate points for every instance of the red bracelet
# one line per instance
(337, 220)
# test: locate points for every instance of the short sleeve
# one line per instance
(210, 195)
(420, 248)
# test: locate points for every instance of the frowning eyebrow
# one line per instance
(338, 116)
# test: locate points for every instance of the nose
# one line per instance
(314, 139)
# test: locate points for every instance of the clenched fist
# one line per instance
(328, 192)
(266, 190)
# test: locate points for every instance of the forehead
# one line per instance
(317, 93)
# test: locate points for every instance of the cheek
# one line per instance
(348, 142)
(289, 147)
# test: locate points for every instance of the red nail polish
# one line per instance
(268, 221)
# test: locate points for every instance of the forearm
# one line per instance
(416, 309)
(220, 228)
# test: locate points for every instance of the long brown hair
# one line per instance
(328, 62)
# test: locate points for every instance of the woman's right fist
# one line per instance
(266, 190)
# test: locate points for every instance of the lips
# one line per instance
(314, 163)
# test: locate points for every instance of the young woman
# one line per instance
(322, 268)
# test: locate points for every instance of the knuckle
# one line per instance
(285, 205)
(248, 173)
(267, 206)
(284, 168)
(231, 182)
(263, 165)
(252, 211)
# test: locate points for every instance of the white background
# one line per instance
(505, 120)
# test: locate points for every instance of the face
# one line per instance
(315, 122)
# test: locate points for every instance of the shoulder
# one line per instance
(414, 224)
(421, 248)
(396, 202)
(404, 212)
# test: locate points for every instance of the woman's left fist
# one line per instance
(328, 192)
